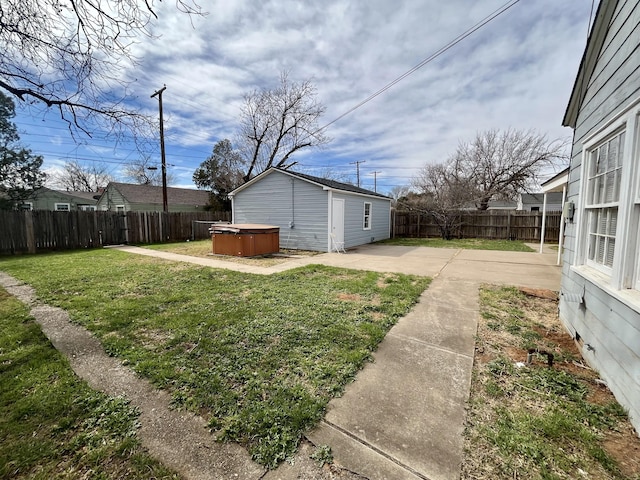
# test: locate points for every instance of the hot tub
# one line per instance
(245, 239)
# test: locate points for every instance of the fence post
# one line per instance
(28, 227)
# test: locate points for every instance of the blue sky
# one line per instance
(516, 72)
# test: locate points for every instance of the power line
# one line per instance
(430, 58)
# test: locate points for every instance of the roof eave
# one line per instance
(588, 62)
(378, 196)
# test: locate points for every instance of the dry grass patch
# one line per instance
(532, 421)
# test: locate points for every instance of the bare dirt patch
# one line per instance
(385, 280)
(625, 448)
(349, 297)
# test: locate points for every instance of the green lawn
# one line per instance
(52, 425)
(470, 243)
(260, 357)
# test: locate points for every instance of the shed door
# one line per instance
(337, 219)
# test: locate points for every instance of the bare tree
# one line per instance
(145, 171)
(500, 165)
(277, 123)
(442, 195)
(81, 178)
(71, 55)
(397, 193)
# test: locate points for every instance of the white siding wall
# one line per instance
(110, 199)
(608, 326)
(354, 233)
(278, 199)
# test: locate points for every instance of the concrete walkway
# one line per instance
(403, 416)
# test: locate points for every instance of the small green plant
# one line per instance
(322, 455)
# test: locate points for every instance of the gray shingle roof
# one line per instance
(153, 194)
(333, 184)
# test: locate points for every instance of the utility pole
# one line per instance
(165, 203)
(375, 181)
(357, 164)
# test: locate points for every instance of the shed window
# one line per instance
(366, 218)
(62, 207)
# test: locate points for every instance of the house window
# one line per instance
(62, 207)
(608, 229)
(604, 172)
(26, 206)
(366, 219)
(120, 208)
(87, 208)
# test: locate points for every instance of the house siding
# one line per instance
(47, 199)
(110, 199)
(607, 326)
(354, 233)
(281, 200)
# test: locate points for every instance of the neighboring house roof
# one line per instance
(323, 182)
(91, 197)
(502, 204)
(538, 198)
(151, 194)
(589, 59)
(82, 197)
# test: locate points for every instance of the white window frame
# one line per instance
(603, 210)
(121, 208)
(366, 216)
(67, 207)
(29, 206)
(624, 273)
(87, 208)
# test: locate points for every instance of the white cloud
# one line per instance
(517, 71)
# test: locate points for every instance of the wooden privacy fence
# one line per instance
(32, 231)
(500, 225)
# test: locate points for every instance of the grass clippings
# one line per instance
(260, 357)
(465, 243)
(52, 425)
(532, 421)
